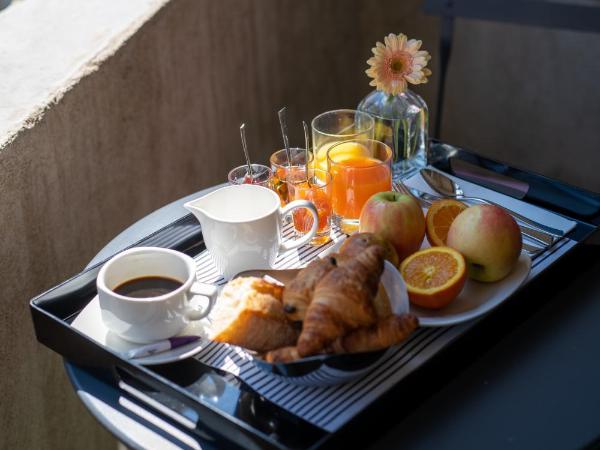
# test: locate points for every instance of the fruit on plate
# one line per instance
(489, 239)
(397, 218)
(440, 216)
(359, 242)
(434, 276)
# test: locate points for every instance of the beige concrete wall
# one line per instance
(160, 119)
(157, 121)
(528, 96)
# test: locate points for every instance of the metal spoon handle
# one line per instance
(426, 199)
(284, 133)
(245, 147)
(551, 233)
(306, 147)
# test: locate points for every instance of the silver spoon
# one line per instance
(426, 199)
(245, 147)
(284, 133)
(447, 187)
(306, 147)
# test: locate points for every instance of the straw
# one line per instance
(245, 147)
(284, 133)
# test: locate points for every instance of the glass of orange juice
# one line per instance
(360, 168)
(316, 187)
(332, 127)
(282, 168)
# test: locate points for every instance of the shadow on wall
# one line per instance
(528, 95)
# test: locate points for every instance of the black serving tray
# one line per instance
(223, 412)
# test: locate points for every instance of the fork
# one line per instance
(531, 250)
(534, 234)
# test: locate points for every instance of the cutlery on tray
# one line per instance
(160, 346)
(447, 187)
(425, 199)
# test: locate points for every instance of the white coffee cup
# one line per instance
(145, 320)
(241, 225)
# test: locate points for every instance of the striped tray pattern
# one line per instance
(330, 407)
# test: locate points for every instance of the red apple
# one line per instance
(489, 239)
(397, 218)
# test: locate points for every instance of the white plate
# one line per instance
(89, 322)
(475, 299)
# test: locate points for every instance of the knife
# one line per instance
(535, 235)
(538, 189)
(489, 179)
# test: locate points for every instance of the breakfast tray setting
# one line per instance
(225, 399)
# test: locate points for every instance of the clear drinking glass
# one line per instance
(360, 168)
(332, 127)
(402, 122)
(261, 175)
(316, 188)
(282, 168)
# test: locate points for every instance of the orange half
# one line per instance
(440, 216)
(434, 276)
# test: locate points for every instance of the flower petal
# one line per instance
(401, 41)
(413, 45)
(423, 53)
(378, 51)
(419, 60)
(389, 39)
(413, 79)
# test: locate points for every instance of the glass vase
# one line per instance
(401, 121)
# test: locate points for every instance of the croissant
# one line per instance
(282, 355)
(249, 313)
(298, 293)
(383, 334)
(342, 301)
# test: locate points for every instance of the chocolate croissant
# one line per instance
(298, 293)
(342, 301)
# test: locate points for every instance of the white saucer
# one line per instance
(89, 322)
(475, 299)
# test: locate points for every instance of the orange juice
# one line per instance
(355, 180)
(302, 218)
(282, 168)
(315, 188)
(280, 175)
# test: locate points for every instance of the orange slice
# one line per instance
(434, 276)
(440, 216)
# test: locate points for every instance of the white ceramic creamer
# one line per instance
(241, 225)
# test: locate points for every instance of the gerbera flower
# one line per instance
(397, 62)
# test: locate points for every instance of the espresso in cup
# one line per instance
(145, 294)
(147, 287)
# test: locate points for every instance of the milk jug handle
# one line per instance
(285, 246)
